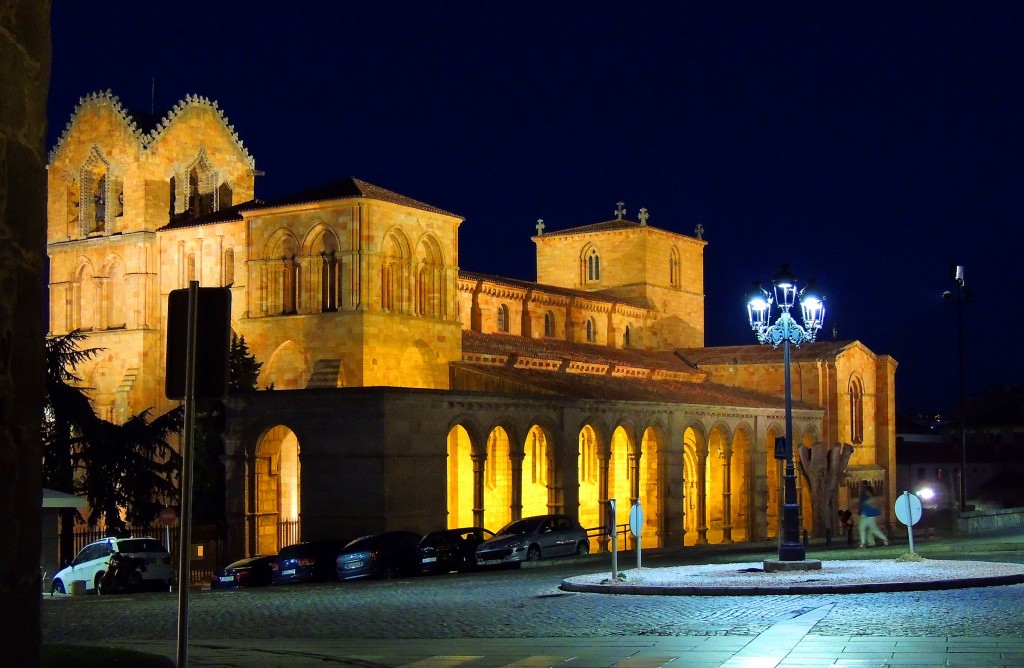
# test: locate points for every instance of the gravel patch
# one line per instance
(853, 576)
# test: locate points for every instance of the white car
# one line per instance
(154, 571)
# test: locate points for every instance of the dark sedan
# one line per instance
(451, 549)
(249, 572)
(383, 555)
(307, 562)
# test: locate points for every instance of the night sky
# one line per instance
(870, 146)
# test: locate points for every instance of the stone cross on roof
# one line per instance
(643, 216)
(620, 211)
(540, 227)
(699, 231)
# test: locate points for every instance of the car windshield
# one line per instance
(364, 543)
(528, 525)
(134, 545)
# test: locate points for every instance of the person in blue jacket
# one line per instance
(868, 522)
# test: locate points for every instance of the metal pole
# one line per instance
(791, 549)
(963, 429)
(185, 539)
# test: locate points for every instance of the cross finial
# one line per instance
(540, 227)
(643, 216)
(620, 211)
(699, 231)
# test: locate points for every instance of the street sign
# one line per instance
(908, 508)
(167, 516)
(780, 447)
(636, 519)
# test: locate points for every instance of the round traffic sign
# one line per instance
(636, 519)
(168, 515)
(908, 508)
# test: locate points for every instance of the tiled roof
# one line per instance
(760, 354)
(606, 226)
(613, 388)
(508, 344)
(351, 188)
(232, 213)
(552, 289)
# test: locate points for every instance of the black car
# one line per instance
(249, 572)
(451, 549)
(383, 555)
(307, 562)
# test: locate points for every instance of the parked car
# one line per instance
(451, 549)
(306, 562)
(150, 566)
(383, 555)
(249, 572)
(533, 538)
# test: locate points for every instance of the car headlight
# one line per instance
(518, 545)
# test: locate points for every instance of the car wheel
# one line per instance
(533, 554)
(97, 584)
(583, 548)
(57, 587)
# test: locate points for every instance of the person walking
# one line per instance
(868, 522)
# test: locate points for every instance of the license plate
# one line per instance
(288, 571)
(490, 562)
(353, 564)
(429, 560)
(227, 578)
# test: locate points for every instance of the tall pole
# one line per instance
(791, 549)
(963, 428)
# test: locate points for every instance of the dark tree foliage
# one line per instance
(128, 467)
(208, 491)
(243, 369)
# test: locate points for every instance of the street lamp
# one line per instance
(960, 297)
(785, 330)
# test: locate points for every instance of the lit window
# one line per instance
(856, 411)
(593, 266)
(503, 318)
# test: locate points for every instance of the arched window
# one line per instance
(591, 330)
(856, 411)
(502, 318)
(290, 285)
(673, 267)
(328, 280)
(229, 266)
(549, 324)
(593, 266)
(625, 338)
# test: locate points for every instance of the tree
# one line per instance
(128, 467)
(824, 468)
(208, 492)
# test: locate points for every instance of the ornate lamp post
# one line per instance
(785, 330)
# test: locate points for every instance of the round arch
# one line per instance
(276, 483)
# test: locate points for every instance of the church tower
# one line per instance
(635, 262)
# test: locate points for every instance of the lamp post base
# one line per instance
(792, 552)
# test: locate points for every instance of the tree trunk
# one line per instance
(824, 468)
(25, 52)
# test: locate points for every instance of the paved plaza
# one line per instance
(523, 618)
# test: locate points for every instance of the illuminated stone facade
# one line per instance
(408, 393)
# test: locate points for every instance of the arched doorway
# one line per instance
(650, 488)
(718, 486)
(620, 479)
(694, 492)
(589, 487)
(537, 473)
(277, 491)
(497, 481)
(741, 486)
(460, 478)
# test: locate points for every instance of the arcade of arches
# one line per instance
(702, 476)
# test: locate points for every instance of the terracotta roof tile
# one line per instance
(552, 289)
(606, 226)
(760, 354)
(352, 188)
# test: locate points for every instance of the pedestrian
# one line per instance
(868, 522)
(846, 525)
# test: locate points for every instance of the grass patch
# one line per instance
(910, 556)
(91, 656)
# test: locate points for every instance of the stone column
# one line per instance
(727, 494)
(702, 495)
(516, 460)
(602, 498)
(478, 489)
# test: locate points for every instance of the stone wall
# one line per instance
(983, 521)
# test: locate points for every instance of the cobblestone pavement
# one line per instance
(517, 604)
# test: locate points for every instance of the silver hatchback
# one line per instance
(533, 538)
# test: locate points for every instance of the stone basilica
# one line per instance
(401, 391)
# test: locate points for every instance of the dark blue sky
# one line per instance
(869, 145)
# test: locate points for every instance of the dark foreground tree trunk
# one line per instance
(824, 467)
(25, 72)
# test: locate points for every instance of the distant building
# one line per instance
(402, 391)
